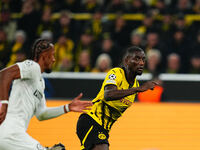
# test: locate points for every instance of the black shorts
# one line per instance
(90, 132)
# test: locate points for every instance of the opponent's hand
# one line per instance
(147, 85)
(79, 106)
(3, 111)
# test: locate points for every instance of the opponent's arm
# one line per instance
(112, 93)
(75, 106)
(7, 75)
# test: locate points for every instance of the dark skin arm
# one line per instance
(7, 75)
(112, 93)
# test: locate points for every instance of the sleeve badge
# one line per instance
(112, 77)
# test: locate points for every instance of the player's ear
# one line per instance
(126, 60)
(42, 57)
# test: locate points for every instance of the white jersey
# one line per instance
(26, 100)
(27, 94)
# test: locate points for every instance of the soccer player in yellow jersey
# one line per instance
(116, 95)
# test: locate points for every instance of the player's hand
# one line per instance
(3, 111)
(79, 106)
(147, 85)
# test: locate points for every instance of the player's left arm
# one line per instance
(112, 93)
(7, 75)
(76, 105)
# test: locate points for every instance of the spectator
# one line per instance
(148, 25)
(48, 35)
(159, 7)
(173, 63)
(195, 64)
(137, 6)
(116, 6)
(109, 47)
(11, 6)
(196, 44)
(166, 27)
(103, 63)
(85, 43)
(5, 11)
(119, 29)
(96, 25)
(63, 25)
(153, 62)
(196, 7)
(89, 6)
(71, 5)
(180, 23)
(152, 41)
(175, 34)
(29, 21)
(46, 24)
(183, 6)
(63, 54)
(179, 45)
(137, 39)
(83, 64)
(18, 48)
(65, 64)
(51, 4)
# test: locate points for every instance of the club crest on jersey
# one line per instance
(102, 136)
(112, 77)
(28, 63)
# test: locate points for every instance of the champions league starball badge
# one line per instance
(112, 77)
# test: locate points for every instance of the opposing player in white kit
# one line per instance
(27, 98)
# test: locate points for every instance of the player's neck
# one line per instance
(130, 76)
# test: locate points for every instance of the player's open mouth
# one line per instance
(140, 69)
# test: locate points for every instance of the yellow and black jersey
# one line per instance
(107, 112)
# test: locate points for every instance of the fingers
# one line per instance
(78, 97)
(156, 83)
(86, 103)
(85, 107)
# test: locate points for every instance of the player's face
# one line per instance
(49, 59)
(136, 62)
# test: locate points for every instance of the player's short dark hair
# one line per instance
(38, 47)
(131, 50)
(127, 52)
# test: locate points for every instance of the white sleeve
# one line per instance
(43, 112)
(28, 69)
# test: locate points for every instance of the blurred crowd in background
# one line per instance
(96, 44)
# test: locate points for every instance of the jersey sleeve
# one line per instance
(113, 77)
(43, 112)
(41, 107)
(28, 69)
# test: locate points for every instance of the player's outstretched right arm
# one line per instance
(147, 86)
(7, 75)
(44, 112)
(112, 93)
